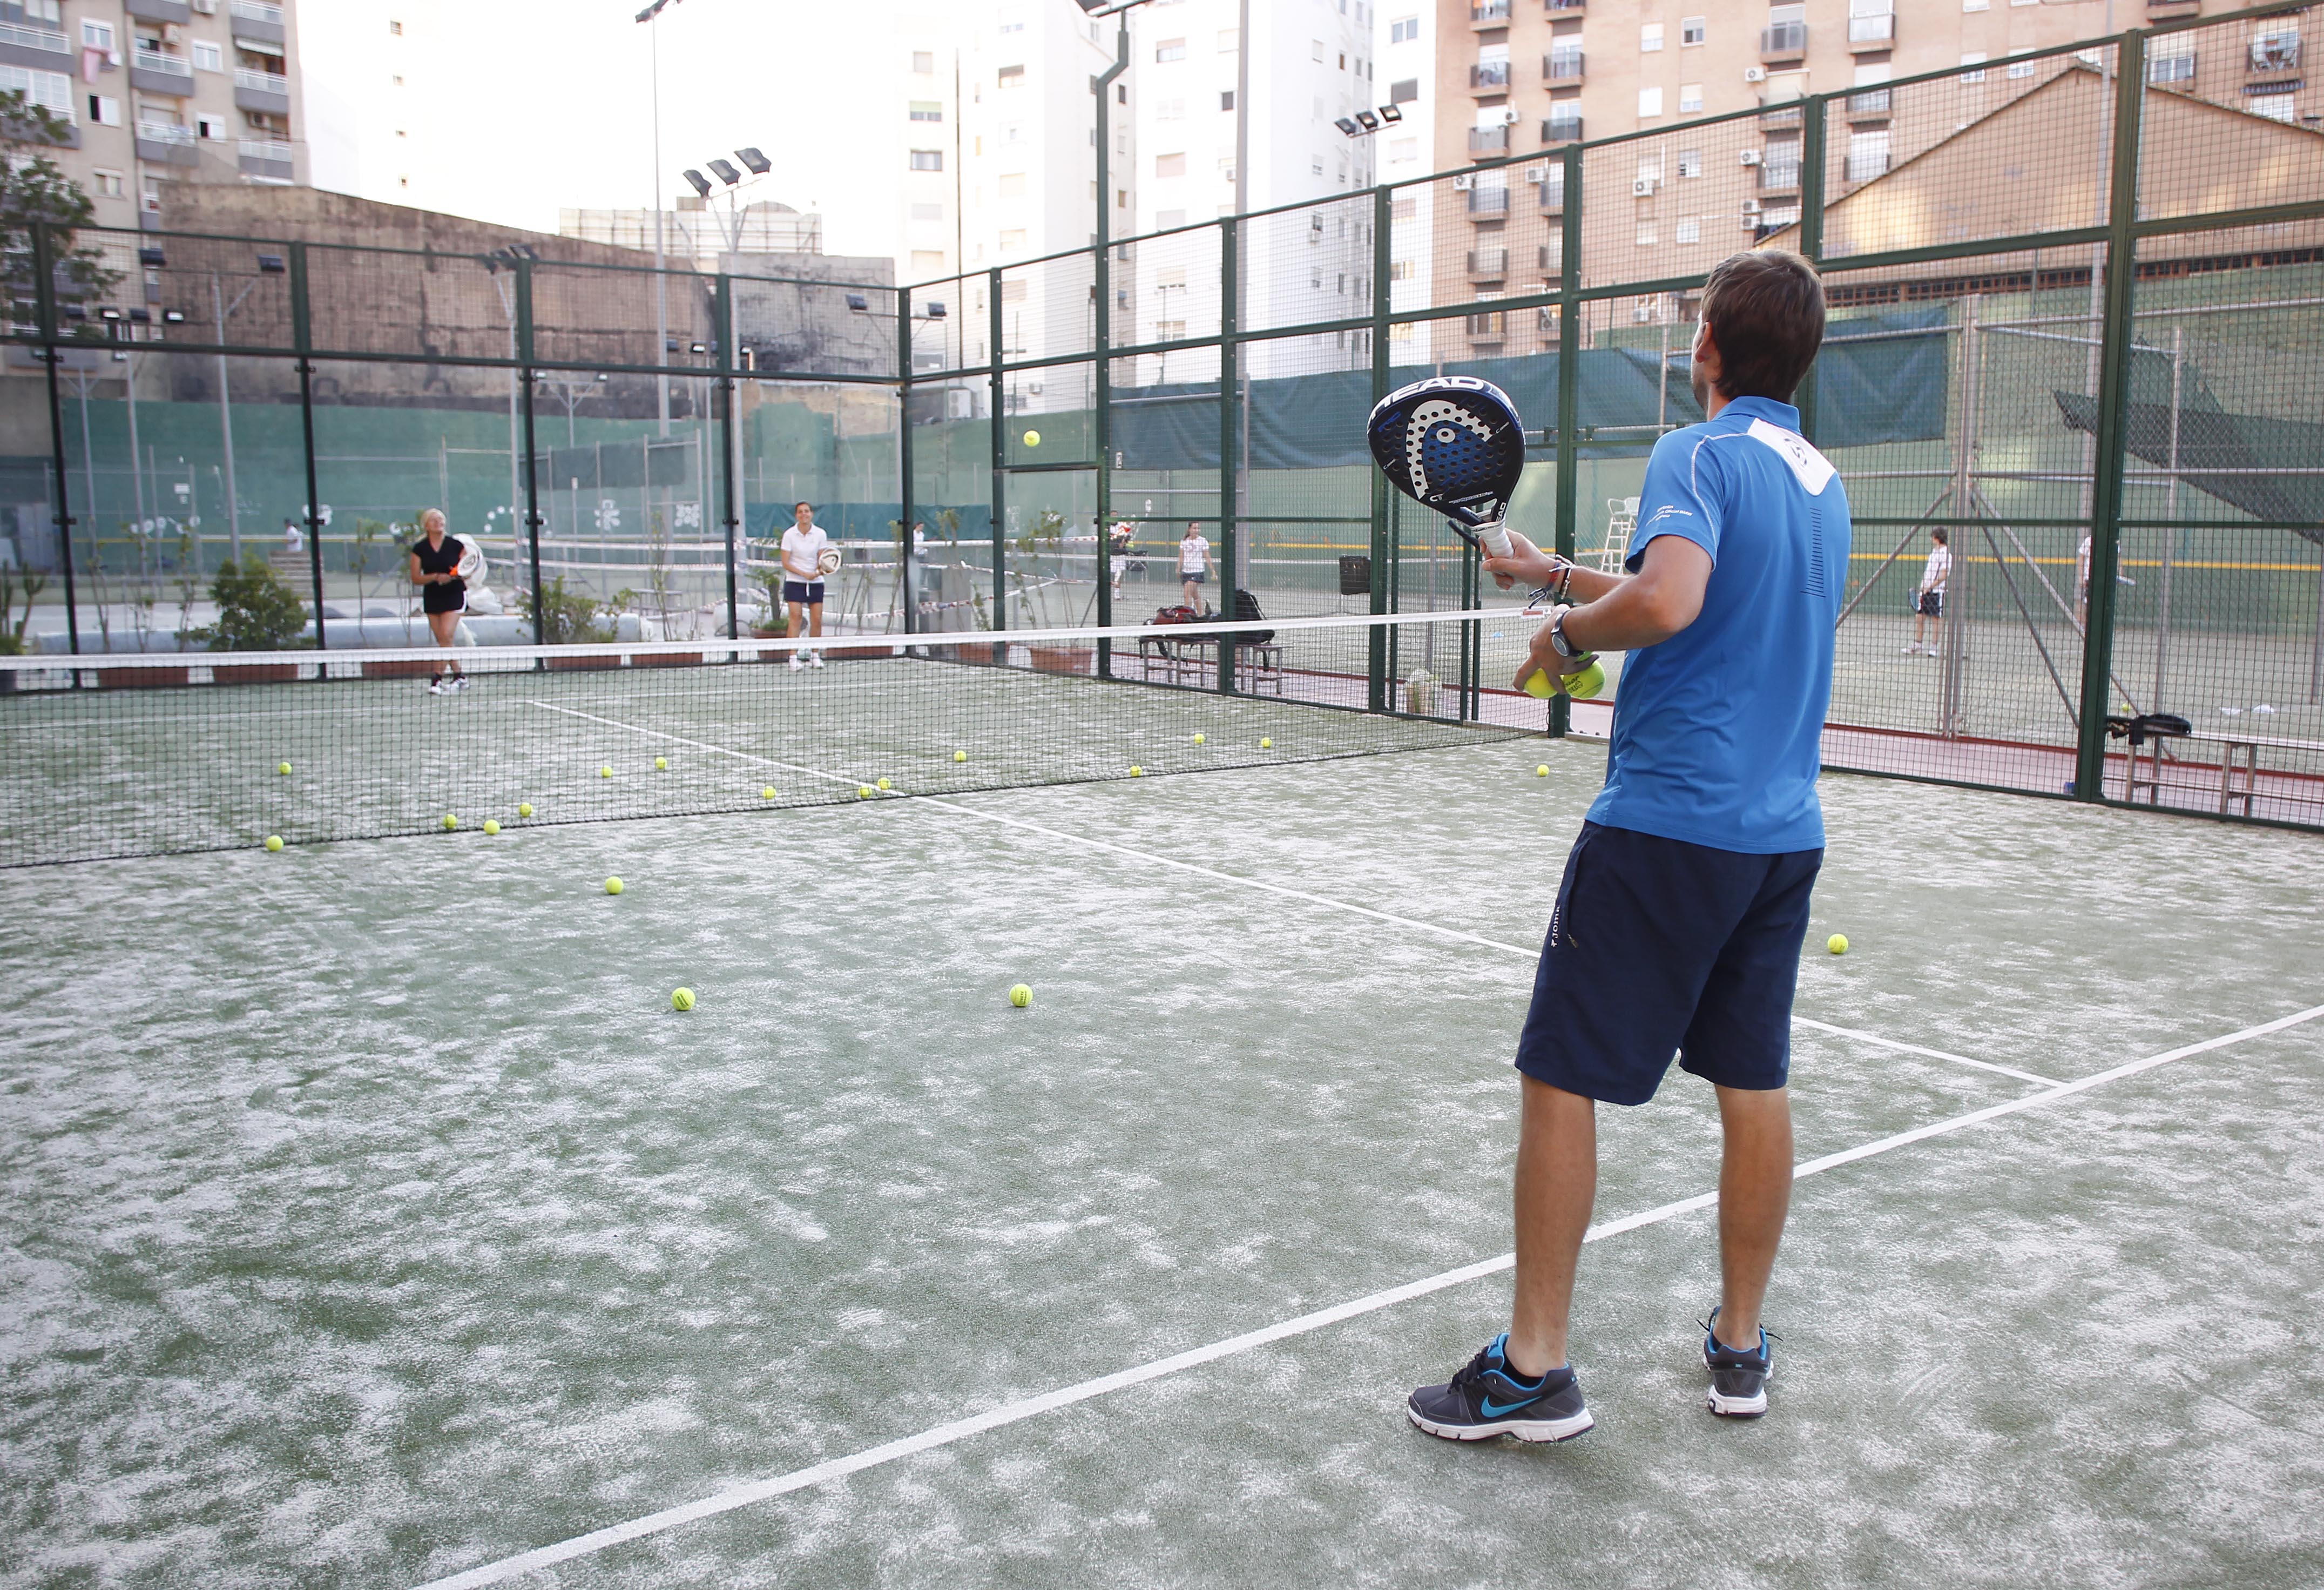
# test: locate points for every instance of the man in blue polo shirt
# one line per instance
(1678, 923)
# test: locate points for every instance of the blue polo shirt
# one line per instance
(1718, 730)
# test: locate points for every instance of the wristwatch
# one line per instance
(1565, 648)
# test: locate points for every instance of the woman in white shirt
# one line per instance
(1194, 564)
(802, 554)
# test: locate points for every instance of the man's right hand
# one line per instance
(1525, 562)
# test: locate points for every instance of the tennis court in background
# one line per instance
(375, 1221)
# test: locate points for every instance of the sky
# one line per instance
(517, 108)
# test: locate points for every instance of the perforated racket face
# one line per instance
(1451, 443)
(830, 560)
(472, 558)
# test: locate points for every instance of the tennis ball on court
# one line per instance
(285, 770)
(1021, 995)
(613, 886)
(1837, 944)
(1267, 744)
(884, 784)
(768, 793)
(492, 824)
(450, 822)
(274, 842)
(1032, 439)
(604, 773)
(1137, 772)
(863, 791)
(524, 809)
(960, 756)
(662, 764)
(1198, 739)
(681, 999)
(1542, 770)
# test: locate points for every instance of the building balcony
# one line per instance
(1785, 41)
(262, 91)
(1780, 176)
(1562, 66)
(1783, 113)
(1870, 104)
(35, 47)
(1868, 33)
(1553, 191)
(1863, 167)
(1489, 328)
(1489, 76)
(1550, 258)
(157, 73)
(176, 11)
(260, 21)
(167, 143)
(1562, 129)
(1489, 13)
(2273, 55)
(1488, 141)
(268, 160)
(1568, 8)
(1488, 263)
(1489, 203)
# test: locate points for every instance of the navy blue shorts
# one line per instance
(806, 593)
(1658, 947)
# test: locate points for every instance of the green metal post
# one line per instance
(731, 519)
(1568, 384)
(302, 327)
(1101, 335)
(1813, 124)
(524, 340)
(904, 512)
(44, 291)
(1376, 661)
(2114, 388)
(1229, 361)
(999, 442)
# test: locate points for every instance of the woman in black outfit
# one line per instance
(443, 594)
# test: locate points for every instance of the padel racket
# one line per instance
(471, 566)
(830, 560)
(1455, 445)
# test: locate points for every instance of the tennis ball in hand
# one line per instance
(450, 822)
(524, 809)
(1021, 995)
(274, 844)
(1837, 944)
(285, 770)
(1032, 439)
(662, 764)
(604, 773)
(613, 886)
(1267, 744)
(1586, 685)
(682, 1000)
(960, 756)
(492, 824)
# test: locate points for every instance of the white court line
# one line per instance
(944, 1435)
(1308, 896)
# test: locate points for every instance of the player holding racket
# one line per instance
(436, 560)
(804, 548)
(1678, 923)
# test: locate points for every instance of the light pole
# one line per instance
(570, 391)
(661, 282)
(731, 231)
(221, 311)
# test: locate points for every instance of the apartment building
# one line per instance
(1405, 43)
(160, 91)
(1517, 76)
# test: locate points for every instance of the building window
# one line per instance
(1690, 98)
(924, 61)
(103, 109)
(1169, 165)
(1690, 30)
(1010, 185)
(2019, 69)
(1166, 110)
(1650, 102)
(2173, 60)
(1229, 40)
(1011, 242)
(1687, 232)
(1403, 92)
(927, 159)
(1650, 37)
(109, 184)
(1164, 219)
(1012, 77)
(212, 127)
(928, 110)
(396, 28)
(1690, 162)
(1973, 58)
(96, 35)
(1402, 150)
(1976, 5)
(1012, 22)
(1170, 50)
(927, 212)
(1226, 99)
(1868, 155)
(1646, 234)
(1404, 30)
(1402, 269)
(207, 57)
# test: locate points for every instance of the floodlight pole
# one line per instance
(661, 282)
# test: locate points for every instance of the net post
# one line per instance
(2112, 438)
(1229, 363)
(1000, 439)
(1376, 645)
(903, 468)
(730, 420)
(1568, 387)
(1814, 126)
(303, 338)
(531, 449)
(44, 290)
(1101, 335)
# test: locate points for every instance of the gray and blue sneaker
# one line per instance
(1488, 1398)
(1738, 1380)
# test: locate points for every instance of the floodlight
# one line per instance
(726, 171)
(1390, 113)
(935, 312)
(173, 317)
(759, 163)
(150, 257)
(1370, 122)
(1348, 126)
(75, 311)
(271, 264)
(109, 313)
(697, 348)
(701, 183)
(858, 302)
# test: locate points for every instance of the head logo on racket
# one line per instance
(1454, 444)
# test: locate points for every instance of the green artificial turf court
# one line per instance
(373, 1220)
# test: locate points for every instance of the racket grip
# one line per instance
(1496, 536)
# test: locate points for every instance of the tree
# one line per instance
(256, 611)
(35, 188)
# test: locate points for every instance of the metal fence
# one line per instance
(2077, 299)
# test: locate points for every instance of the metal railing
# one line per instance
(28, 38)
(169, 132)
(1488, 140)
(261, 82)
(1562, 66)
(264, 11)
(153, 61)
(1490, 74)
(1879, 29)
(1784, 41)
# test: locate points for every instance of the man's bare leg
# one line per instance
(1755, 1192)
(1556, 1187)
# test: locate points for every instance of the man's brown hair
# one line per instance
(1766, 312)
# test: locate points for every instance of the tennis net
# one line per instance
(139, 755)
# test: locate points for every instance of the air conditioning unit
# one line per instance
(1463, 181)
(1642, 188)
(1537, 173)
(172, 33)
(1754, 74)
(1750, 157)
(1509, 116)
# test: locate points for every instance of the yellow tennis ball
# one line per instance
(613, 886)
(450, 822)
(863, 791)
(492, 824)
(662, 764)
(524, 809)
(960, 756)
(768, 793)
(285, 770)
(884, 784)
(1198, 739)
(1267, 744)
(1542, 772)
(274, 842)
(1021, 995)
(1137, 772)
(604, 773)
(1032, 439)
(1837, 944)
(682, 999)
